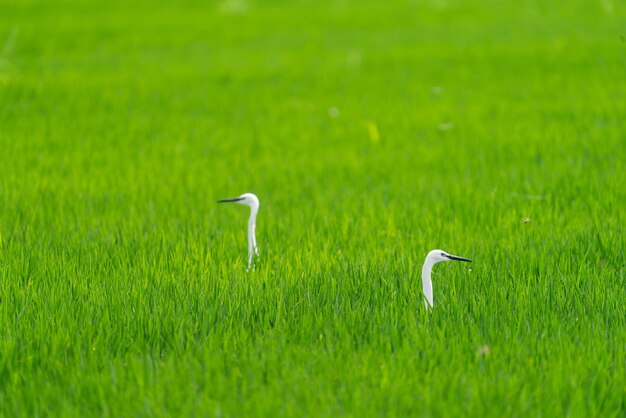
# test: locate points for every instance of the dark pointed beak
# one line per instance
(456, 258)
(234, 199)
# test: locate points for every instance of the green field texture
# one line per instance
(372, 132)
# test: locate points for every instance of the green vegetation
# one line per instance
(372, 132)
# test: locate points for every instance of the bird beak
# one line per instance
(457, 258)
(234, 199)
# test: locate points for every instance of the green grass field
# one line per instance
(372, 132)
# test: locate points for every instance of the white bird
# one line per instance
(252, 201)
(434, 257)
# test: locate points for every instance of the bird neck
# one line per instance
(428, 264)
(252, 247)
(253, 212)
(252, 222)
(427, 283)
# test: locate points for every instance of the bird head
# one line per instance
(247, 199)
(437, 256)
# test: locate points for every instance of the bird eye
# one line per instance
(443, 255)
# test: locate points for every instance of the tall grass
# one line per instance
(493, 131)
